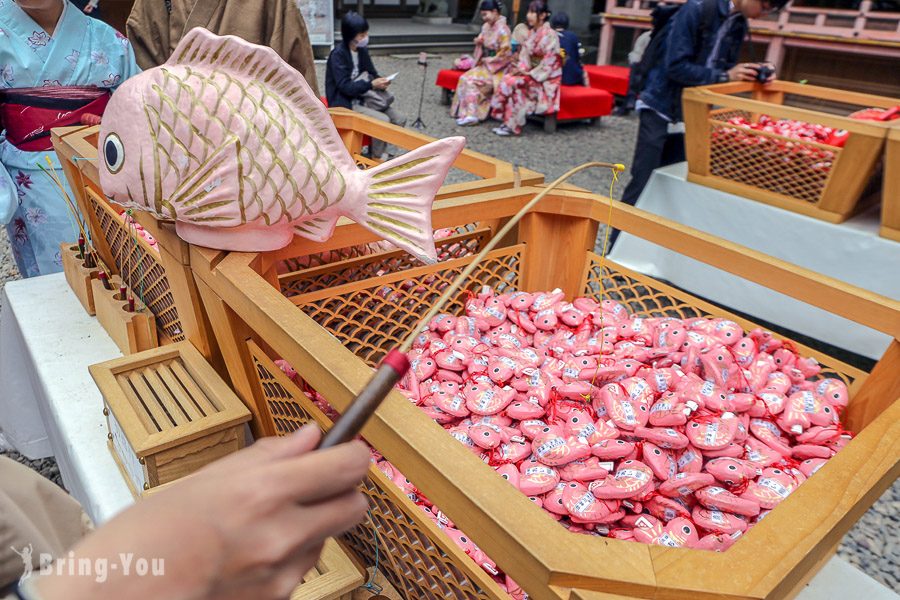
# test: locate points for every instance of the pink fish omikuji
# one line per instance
(230, 142)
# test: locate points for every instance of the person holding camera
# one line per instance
(698, 44)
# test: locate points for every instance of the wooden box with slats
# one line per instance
(169, 413)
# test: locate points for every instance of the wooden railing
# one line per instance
(859, 31)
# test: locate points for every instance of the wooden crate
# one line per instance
(168, 414)
(818, 180)
(333, 336)
(890, 193)
(333, 578)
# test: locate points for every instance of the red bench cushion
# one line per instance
(575, 102)
(609, 77)
(448, 78)
(579, 102)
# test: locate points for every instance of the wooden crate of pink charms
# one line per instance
(446, 525)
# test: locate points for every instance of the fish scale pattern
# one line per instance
(263, 122)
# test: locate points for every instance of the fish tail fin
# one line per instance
(399, 194)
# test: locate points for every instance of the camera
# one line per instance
(763, 72)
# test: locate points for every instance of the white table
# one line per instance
(49, 403)
(58, 346)
(851, 252)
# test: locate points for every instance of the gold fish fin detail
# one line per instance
(317, 230)
(401, 168)
(395, 182)
(211, 188)
(399, 209)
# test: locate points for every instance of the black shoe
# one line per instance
(621, 111)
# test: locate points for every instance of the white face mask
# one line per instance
(363, 43)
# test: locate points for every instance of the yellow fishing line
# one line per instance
(612, 183)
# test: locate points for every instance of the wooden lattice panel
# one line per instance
(362, 266)
(763, 160)
(646, 297)
(140, 268)
(375, 315)
(412, 554)
(300, 263)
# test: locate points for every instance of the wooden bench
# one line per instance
(575, 102)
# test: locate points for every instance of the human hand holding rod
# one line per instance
(250, 525)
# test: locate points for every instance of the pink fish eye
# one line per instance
(573, 485)
(836, 395)
(574, 419)
(656, 451)
(728, 334)
(732, 468)
(505, 476)
(720, 358)
(694, 425)
(686, 529)
(628, 462)
(826, 409)
(777, 471)
(463, 539)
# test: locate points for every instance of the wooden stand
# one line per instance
(78, 276)
(333, 336)
(168, 414)
(131, 331)
(815, 179)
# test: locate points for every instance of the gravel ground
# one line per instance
(873, 544)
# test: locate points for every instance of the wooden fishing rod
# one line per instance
(395, 365)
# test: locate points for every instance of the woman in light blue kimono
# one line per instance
(48, 43)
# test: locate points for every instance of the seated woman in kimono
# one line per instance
(531, 86)
(493, 52)
(47, 43)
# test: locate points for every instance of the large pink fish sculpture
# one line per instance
(231, 143)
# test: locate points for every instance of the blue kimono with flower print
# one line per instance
(81, 51)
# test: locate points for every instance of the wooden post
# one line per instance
(890, 191)
(696, 139)
(555, 245)
(880, 389)
(232, 335)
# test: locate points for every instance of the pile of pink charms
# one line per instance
(678, 432)
(795, 130)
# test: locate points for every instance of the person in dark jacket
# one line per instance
(701, 46)
(350, 74)
(573, 72)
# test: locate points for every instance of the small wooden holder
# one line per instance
(168, 414)
(78, 276)
(131, 331)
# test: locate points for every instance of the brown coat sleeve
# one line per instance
(295, 46)
(148, 29)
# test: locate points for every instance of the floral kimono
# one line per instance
(473, 93)
(532, 87)
(82, 51)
